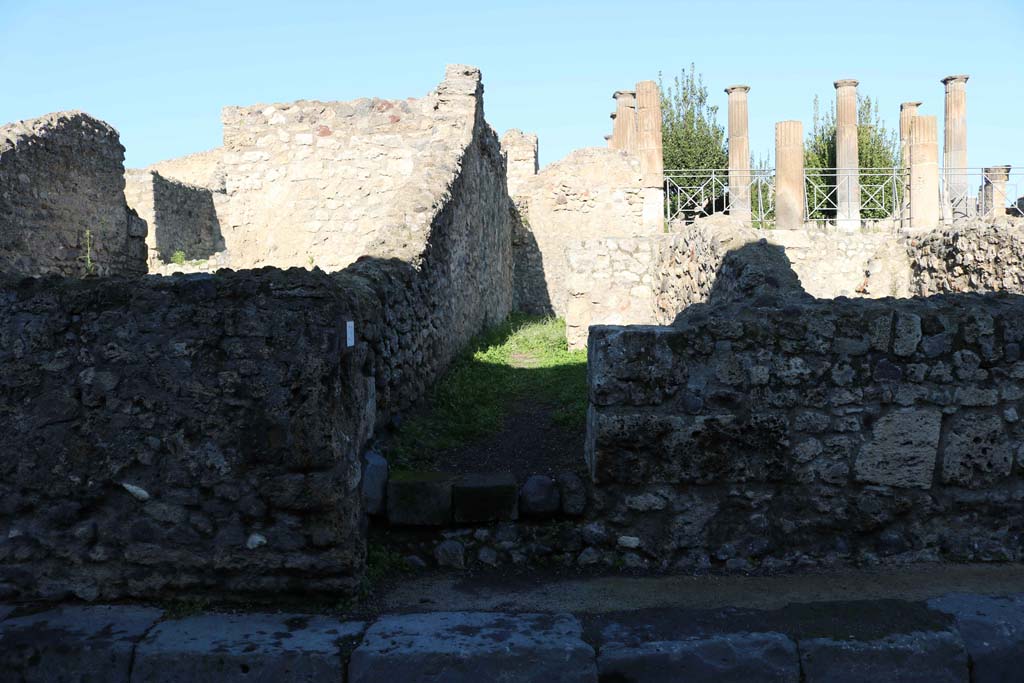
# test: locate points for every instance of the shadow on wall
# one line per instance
(185, 220)
(530, 287)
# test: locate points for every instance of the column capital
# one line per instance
(846, 83)
(910, 105)
(737, 88)
(623, 93)
(958, 78)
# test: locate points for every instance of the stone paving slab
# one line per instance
(92, 643)
(920, 657)
(726, 658)
(263, 647)
(469, 647)
(992, 629)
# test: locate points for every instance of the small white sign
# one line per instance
(350, 333)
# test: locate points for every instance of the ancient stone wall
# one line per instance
(977, 256)
(181, 217)
(591, 193)
(62, 205)
(520, 157)
(778, 430)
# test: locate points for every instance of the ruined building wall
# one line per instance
(209, 440)
(797, 431)
(974, 256)
(182, 217)
(60, 176)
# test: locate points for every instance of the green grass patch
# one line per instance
(524, 359)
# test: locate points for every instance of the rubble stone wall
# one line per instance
(977, 257)
(62, 205)
(790, 431)
(181, 217)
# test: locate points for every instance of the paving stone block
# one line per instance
(722, 658)
(993, 631)
(89, 643)
(420, 498)
(468, 647)
(917, 657)
(221, 648)
(485, 498)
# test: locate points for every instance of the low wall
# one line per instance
(62, 205)
(181, 217)
(976, 256)
(791, 431)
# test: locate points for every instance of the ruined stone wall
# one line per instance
(977, 256)
(202, 169)
(182, 217)
(62, 205)
(591, 193)
(790, 431)
(520, 158)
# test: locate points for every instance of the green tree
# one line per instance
(877, 148)
(692, 138)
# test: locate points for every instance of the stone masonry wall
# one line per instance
(974, 257)
(591, 193)
(202, 432)
(787, 431)
(181, 217)
(62, 206)
(520, 157)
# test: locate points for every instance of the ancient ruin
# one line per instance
(201, 358)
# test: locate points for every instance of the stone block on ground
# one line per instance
(539, 497)
(485, 497)
(464, 647)
(917, 657)
(721, 658)
(993, 631)
(375, 482)
(420, 498)
(573, 492)
(89, 643)
(219, 648)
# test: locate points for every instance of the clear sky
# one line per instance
(161, 71)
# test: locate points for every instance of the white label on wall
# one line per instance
(350, 333)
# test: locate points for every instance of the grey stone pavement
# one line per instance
(870, 627)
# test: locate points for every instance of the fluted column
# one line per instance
(993, 191)
(924, 172)
(624, 131)
(739, 153)
(954, 146)
(652, 166)
(789, 175)
(908, 110)
(847, 160)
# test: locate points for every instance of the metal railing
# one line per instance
(966, 193)
(881, 190)
(696, 193)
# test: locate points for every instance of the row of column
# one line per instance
(636, 129)
(919, 152)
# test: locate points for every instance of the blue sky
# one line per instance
(161, 71)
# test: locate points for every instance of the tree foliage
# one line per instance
(692, 138)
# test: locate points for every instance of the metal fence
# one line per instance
(882, 192)
(691, 194)
(966, 193)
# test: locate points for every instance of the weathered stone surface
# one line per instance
(375, 482)
(420, 498)
(244, 647)
(977, 451)
(739, 657)
(573, 493)
(539, 496)
(474, 646)
(992, 629)
(485, 497)
(62, 205)
(92, 643)
(450, 554)
(902, 449)
(919, 657)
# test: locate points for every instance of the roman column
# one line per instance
(789, 175)
(924, 172)
(652, 169)
(908, 110)
(625, 120)
(739, 153)
(847, 161)
(993, 194)
(954, 146)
